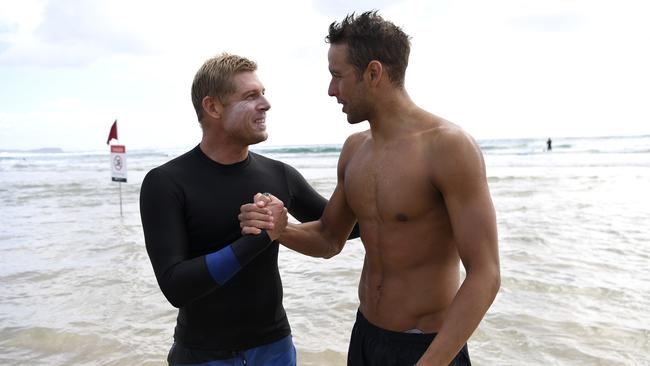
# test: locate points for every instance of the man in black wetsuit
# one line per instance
(227, 286)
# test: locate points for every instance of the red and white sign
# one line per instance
(118, 163)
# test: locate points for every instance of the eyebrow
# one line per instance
(253, 91)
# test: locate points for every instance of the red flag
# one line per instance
(113, 133)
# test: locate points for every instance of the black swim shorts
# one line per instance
(373, 346)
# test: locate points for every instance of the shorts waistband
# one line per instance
(364, 324)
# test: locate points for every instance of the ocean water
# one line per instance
(77, 288)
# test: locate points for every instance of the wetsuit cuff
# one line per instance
(222, 264)
(226, 262)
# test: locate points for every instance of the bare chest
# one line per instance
(390, 185)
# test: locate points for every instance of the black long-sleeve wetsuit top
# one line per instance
(227, 286)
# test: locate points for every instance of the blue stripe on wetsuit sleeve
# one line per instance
(222, 264)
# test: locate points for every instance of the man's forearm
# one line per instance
(472, 301)
(310, 239)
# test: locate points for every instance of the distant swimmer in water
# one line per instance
(549, 143)
(417, 185)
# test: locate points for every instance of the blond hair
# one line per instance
(214, 78)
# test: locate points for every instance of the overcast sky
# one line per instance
(499, 68)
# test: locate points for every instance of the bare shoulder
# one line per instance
(350, 147)
(353, 142)
(356, 138)
(449, 139)
(456, 152)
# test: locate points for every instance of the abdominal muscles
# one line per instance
(410, 275)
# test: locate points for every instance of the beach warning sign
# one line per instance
(118, 163)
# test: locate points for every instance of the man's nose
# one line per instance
(265, 105)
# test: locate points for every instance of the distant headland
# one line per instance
(43, 150)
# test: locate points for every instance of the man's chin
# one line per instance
(354, 121)
(260, 138)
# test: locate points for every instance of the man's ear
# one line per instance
(374, 72)
(212, 106)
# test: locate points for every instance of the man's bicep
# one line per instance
(338, 219)
(162, 222)
(463, 183)
(473, 220)
(181, 278)
(306, 203)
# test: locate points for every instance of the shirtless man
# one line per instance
(416, 184)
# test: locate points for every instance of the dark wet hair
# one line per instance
(370, 37)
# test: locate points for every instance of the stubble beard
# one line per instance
(263, 136)
(355, 117)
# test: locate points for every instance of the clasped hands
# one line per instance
(267, 212)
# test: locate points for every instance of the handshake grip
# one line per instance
(267, 212)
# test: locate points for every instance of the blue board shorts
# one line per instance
(278, 353)
(374, 346)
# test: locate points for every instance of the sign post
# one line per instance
(118, 167)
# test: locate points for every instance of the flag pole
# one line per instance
(120, 185)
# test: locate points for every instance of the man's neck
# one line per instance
(393, 117)
(224, 153)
